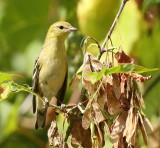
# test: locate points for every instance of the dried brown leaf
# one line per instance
(101, 100)
(147, 125)
(131, 126)
(107, 128)
(74, 83)
(98, 116)
(108, 79)
(54, 137)
(113, 103)
(140, 78)
(117, 129)
(116, 86)
(87, 118)
(2, 89)
(123, 58)
(80, 136)
(100, 136)
(124, 103)
(5, 90)
(142, 128)
(128, 90)
(91, 64)
(53, 134)
(123, 79)
(141, 101)
(94, 64)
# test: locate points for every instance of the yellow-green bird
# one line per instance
(50, 71)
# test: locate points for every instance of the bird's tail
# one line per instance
(41, 118)
(41, 114)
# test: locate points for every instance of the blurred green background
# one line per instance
(23, 26)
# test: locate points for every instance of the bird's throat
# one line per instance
(55, 47)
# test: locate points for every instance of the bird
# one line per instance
(50, 70)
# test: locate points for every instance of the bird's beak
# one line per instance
(72, 29)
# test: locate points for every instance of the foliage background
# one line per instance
(23, 26)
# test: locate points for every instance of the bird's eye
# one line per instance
(61, 27)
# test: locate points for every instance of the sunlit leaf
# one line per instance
(91, 45)
(121, 68)
(5, 77)
(128, 67)
(97, 76)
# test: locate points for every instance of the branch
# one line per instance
(114, 24)
(63, 108)
(22, 88)
(104, 50)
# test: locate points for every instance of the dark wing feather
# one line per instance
(62, 91)
(35, 83)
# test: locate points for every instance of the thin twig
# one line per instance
(113, 25)
(90, 63)
(63, 108)
(22, 88)
(85, 41)
(104, 50)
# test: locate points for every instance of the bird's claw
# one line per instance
(45, 103)
(63, 106)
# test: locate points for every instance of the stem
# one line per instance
(22, 88)
(114, 24)
(103, 50)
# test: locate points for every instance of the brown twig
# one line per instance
(114, 24)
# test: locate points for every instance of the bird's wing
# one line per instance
(62, 91)
(35, 82)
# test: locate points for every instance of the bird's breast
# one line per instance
(52, 75)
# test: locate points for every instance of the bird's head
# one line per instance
(60, 30)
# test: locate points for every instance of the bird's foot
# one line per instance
(63, 106)
(45, 104)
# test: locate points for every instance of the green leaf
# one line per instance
(5, 77)
(128, 67)
(91, 45)
(97, 76)
(16, 88)
(121, 68)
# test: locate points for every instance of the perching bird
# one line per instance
(50, 71)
